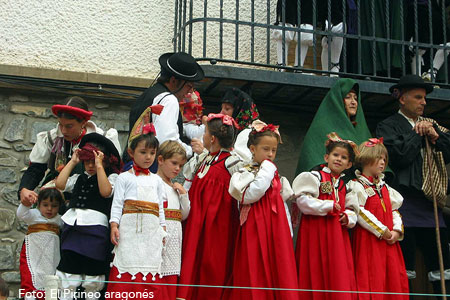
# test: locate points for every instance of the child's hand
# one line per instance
(343, 219)
(179, 188)
(75, 157)
(197, 146)
(386, 235)
(337, 207)
(98, 158)
(394, 237)
(115, 233)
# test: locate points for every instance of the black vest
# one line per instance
(86, 194)
(144, 101)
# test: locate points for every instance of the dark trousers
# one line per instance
(425, 240)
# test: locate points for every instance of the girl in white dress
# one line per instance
(171, 158)
(138, 224)
(40, 251)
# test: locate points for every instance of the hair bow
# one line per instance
(227, 120)
(149, 128)
(334, 137)
(373, 141)
(260, 126)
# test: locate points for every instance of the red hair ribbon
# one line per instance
(260, 126)
(334, 137)
(149, 128)
(373, 141)
(226, 120)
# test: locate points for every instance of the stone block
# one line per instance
(6, 257)
(22, 147)
(18, 98)
(7, 218)
(3, 107)
(18, 250)
(9, 194)
(31, 110)
(4, 145)
(16, 130)
(7, 175)
(11, 277)
(122, 115)
(102, 106)
(121, 126)
(101, 124)
(7, 160)
(39, 127)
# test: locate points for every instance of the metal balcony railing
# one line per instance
(380, 39)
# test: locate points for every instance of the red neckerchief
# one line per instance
(138, 170)
(78, 139)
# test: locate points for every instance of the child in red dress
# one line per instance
(264, 256)
(378, 258)
(323, 250)
(211, 228)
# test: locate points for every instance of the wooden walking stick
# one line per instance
(436, 220)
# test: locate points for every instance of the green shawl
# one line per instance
(331, 116)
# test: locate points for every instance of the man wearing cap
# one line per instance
(178, 73)
(404, 136)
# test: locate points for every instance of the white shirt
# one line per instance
(166, 123)
(33, 216)
(126, 188)
(410, 121)
(85, 216)
(193, 131)
(42, 149)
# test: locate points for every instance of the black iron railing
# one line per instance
(379, 46)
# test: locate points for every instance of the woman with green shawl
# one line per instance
(340, 113)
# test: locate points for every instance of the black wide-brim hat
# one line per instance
(412, 81)
(103, 141)
(182, 66)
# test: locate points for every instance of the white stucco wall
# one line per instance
(122, 38)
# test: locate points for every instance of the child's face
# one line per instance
(143, 156)
(338, 160)
(171, 167)
(48, 208)
(89, 167)
(265, 149)
(376, 168)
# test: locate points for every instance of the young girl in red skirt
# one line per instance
(211, 228)
(40, 251)
(323, 250)
(264, 255)
(378, 258)
(171, 158)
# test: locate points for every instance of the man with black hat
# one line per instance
(404, 136)
(178, 73)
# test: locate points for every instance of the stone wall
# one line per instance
(23, 115)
